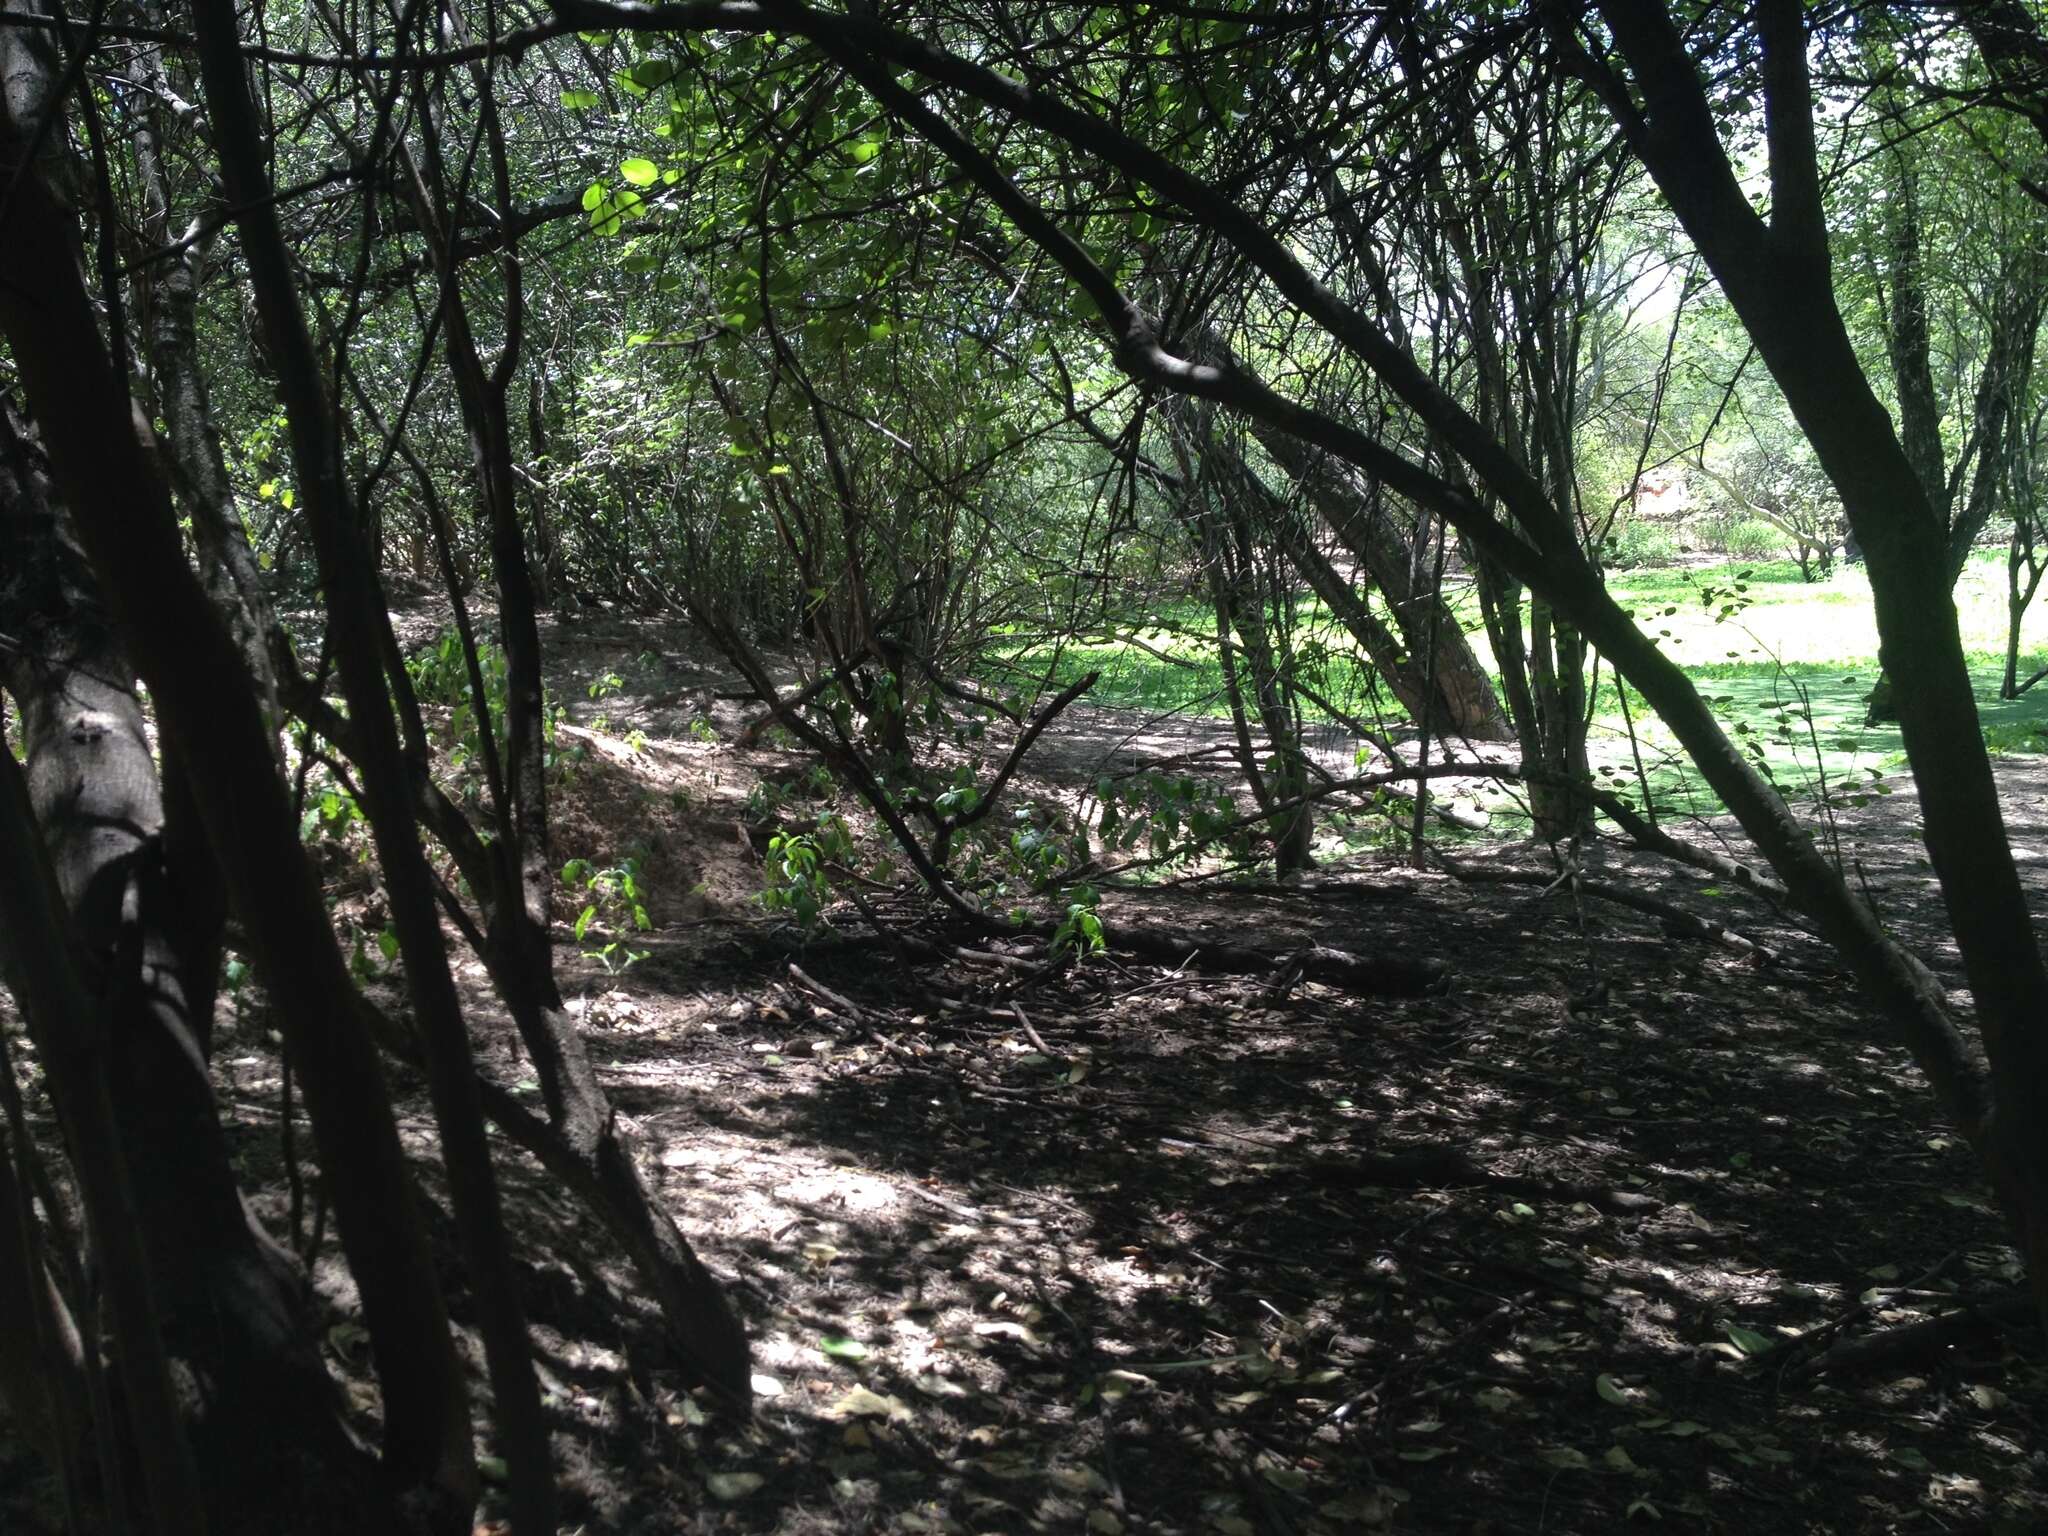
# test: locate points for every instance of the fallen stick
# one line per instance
(1380, 975)
(1032, 1035)
(1916, 1342)
(1688, 924)
(845, 1005)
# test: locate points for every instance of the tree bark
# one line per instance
(1778, 277)
(121, 508)
(519, 950)
(232, 1304)
(356, 627)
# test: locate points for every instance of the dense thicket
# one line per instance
(904, 350)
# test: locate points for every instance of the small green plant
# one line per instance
(764, 800)
(1171, 817)
(440, 675)
(2016, 737)
(331, 814)
(796, 880)
(615, 903)
(767, 798)
(560, 762)
(1080, 931)
(1635, 544)
(1038, 851)
(702, 732)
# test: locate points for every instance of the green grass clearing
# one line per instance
(1789, 671)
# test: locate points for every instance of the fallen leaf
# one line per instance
(1364, 1507)
(733, 1485)
(860, 1403)
(1748, 1340)
(1016, 1331)
(1079, 1479)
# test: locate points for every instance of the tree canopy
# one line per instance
(929, 362)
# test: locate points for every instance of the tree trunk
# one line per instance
(519, 949)
(231, 1304)
(1212, 510)
(1778, 277)
(121, 508)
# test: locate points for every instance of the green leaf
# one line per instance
(1748, 1340)
(592, 196)
(387, 942)
(640, 173)
(579, 101)
(841, 1348)
(1610, 1391)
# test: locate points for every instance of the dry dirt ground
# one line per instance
(1590, 1238)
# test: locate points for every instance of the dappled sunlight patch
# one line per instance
(1295, 1253)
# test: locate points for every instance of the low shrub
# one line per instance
(1634, 545)
(1754, 539)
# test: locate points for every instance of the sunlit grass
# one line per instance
(1789, 670)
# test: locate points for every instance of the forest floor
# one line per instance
(1590, 1237)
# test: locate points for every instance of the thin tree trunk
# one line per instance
(519, 946)
(356, 625)
(1365, 527)
(1778, 278)
(124, 518)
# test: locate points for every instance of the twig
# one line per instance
(845, 1004)
(1032, 1035)
(1923, 1340)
